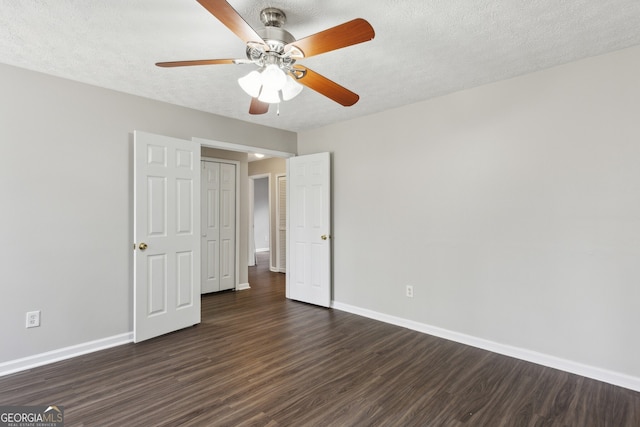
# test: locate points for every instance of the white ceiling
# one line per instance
(422, 48)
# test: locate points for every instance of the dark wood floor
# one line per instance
(260, 360)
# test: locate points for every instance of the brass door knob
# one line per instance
(142, 246)
(324, 237)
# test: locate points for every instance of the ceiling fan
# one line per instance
(276, 51)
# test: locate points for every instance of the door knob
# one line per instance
(324, 237)
(142, 246)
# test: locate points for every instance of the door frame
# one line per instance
(237, 219)
(252, 247)
(231, 146)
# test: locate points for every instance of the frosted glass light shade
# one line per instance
(291, 89)
(266, 85)
(273, 77)
(251, 83)
(269, 95)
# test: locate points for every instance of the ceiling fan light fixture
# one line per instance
(251, 83)
(275, 51)
(291, 89)
(266, 85)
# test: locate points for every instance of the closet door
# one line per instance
(218, 226)
(210, 248)
(227, 226)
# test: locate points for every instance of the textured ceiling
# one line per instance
(422, 48)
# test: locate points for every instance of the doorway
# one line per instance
(245, 157)
(175, 288)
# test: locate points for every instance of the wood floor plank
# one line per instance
(258, 359)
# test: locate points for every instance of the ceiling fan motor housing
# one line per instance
(276, 38)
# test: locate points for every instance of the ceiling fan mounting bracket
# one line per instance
(273, 17)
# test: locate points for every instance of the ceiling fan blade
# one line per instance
(232, 20)
(258, 107)
(326, 87)
(343, 35)
(202, 62)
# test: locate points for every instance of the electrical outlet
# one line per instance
(33, 319)
(409, 291)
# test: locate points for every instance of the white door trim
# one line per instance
(237, 254)
(251, 246)
(279, 267)
(230, 146)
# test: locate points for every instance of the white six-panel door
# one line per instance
(166, 235)
(210, 227)
(309, 245)
(218, 226)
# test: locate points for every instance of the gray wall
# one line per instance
(65, 221)
(513, 209)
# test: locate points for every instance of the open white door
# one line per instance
(308, 243)
(167, 235)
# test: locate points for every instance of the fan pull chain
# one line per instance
(278, 110)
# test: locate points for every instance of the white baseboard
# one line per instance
(611, 377)
(242, 286)
(277, 270)
(25, 363)
(262, 250)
